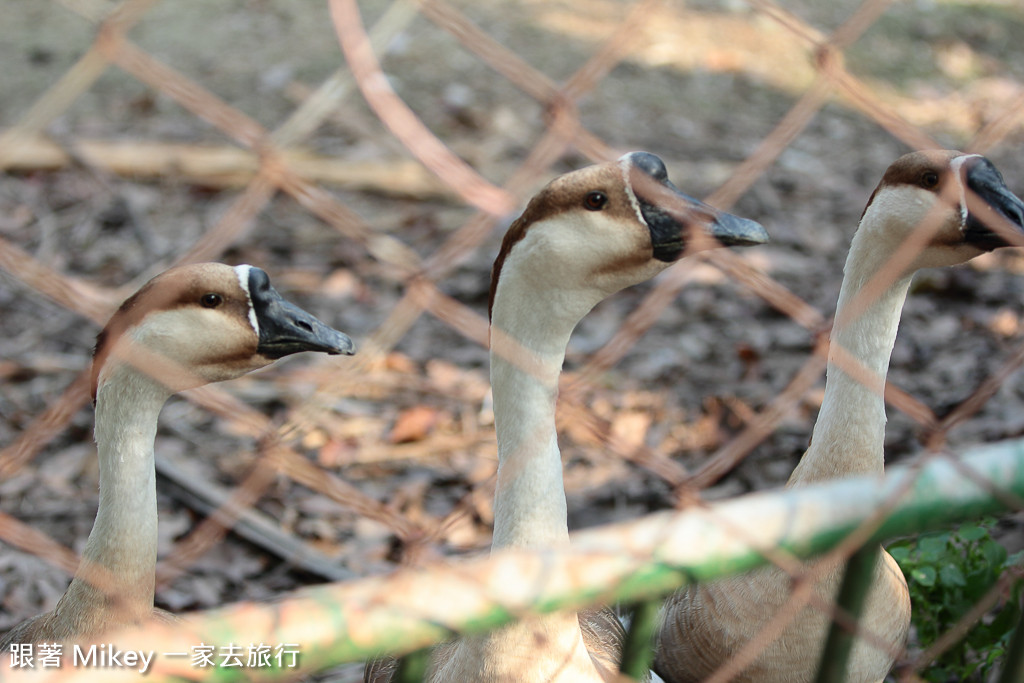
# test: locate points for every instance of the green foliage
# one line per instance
(948, 573)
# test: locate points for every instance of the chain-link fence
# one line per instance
(139, 135)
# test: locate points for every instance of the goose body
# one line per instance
(585, 236)
(950, 204)
(187, 327)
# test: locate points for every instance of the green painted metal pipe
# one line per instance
(638, 652)
(853, 594)
(630, 562)
(1013, 666)
(412, 668)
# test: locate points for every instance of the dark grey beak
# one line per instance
(736, 231)
(285, 328)
(986, 225)
(671, 215)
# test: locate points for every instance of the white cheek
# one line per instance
(589, 250)
(243, 280)
(899, 210)
(177, 334)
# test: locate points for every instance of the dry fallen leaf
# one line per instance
(1005, 323)
(333, 453)
(630, 428)
(399, 362)
(413, 424)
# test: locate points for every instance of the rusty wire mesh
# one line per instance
(130, 161)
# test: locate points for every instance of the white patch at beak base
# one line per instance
(633, 201)
(961, 185)
(243, 279)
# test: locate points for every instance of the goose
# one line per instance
(583, 237)
(189, 326)
(948, 201)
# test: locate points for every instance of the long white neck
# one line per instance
(528, 341)
(531, 322)
(848, 437)
(122, 544)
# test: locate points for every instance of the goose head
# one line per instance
(595, 231)
(959, 200)
(207, 322)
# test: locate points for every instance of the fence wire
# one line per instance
(376, 195)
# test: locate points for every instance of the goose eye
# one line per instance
(929, 180)
(595, 201)
(211, 300)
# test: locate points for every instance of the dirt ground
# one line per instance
(709, 81)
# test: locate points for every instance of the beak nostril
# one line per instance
(303, 325)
